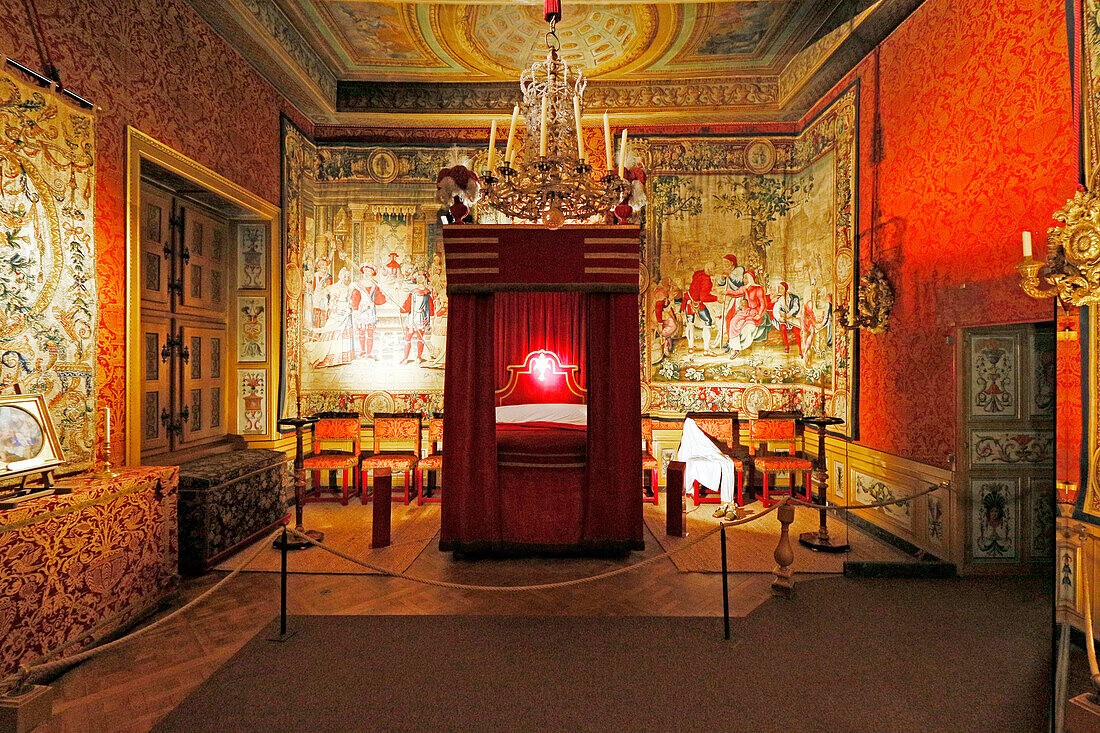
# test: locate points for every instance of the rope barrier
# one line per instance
(837, 507)
(26, 674)
(509, 588)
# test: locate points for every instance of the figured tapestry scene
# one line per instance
(749, 252)
(366, 289)
(47, 259)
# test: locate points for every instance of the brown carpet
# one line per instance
(348, 529)
(749, 547)
(843, 656)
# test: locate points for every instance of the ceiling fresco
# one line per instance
(343, 61)
(458, 42)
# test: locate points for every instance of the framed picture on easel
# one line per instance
(28, 446)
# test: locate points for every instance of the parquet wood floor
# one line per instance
(127, 690)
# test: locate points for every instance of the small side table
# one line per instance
(296, 543)
(820, 541)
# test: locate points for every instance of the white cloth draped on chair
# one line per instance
(706, 463)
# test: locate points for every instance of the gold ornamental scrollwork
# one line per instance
(1071, 271)
(874, 301)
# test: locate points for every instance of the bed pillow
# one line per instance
(564, 414)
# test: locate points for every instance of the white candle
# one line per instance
(492, 145)
(622, 154)
(108, 423)
(577, 116)
(542, 131)
(1027, 244)
(607, 142)
(511, 136)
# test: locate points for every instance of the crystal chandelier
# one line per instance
(558, 184)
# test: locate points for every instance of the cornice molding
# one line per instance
(495, 97)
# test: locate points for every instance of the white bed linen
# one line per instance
(549, 412)
(705, 463)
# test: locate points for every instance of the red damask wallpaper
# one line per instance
(157, 66)
(976, 146)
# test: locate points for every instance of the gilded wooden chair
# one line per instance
(431, 462)
(401, 428)
(649, 462)
(722, 427)
(330, 429)
(769, 432)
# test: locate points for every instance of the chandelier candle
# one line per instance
(580, 139)
(622, 154)
(542, 127)
(1027, 244)
(511, 137)
(607, 142)
(492, 145)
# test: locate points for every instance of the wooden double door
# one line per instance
(184, 277)
(1008, 446)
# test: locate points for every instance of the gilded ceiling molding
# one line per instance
(275, 22)
(497, 97)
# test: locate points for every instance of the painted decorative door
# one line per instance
(202, 397)
(156, 379)
(156, 247)
(1008, 441)
(202, 258)
(184, 276)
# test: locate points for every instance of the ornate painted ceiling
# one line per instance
(342, 60)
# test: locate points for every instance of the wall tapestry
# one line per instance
(48, 315)
(749, 249)
(366, 291)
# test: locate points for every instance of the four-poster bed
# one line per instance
(541, 444)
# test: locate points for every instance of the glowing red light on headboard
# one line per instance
(541, 378)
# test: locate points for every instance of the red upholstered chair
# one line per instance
(334, 428)
(723, 428)
(774, 431)
(649, 462)
(431, 462)
(403, 428)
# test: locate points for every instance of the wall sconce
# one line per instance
(1071, 270)
(874, 300)
(1065, 496)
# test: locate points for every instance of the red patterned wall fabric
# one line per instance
(976, 130)
(74, 567)
(158, 67)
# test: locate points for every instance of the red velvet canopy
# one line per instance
(514, 290)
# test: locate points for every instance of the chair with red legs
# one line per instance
(649, 462)
(431, 462)
(722, 428)
(770, 432)
(334, 428)
(402, 430)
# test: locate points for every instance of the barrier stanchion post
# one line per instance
(725, 585)
(674, 500)
(283, 546)
(784, 553)
(282, 596)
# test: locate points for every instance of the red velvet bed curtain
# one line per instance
(529, 321)
(470, 452)
(614, 420)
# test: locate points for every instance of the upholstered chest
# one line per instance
(227, 501)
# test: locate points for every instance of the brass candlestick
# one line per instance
(104, 468)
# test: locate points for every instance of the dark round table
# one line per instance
(821, 541)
